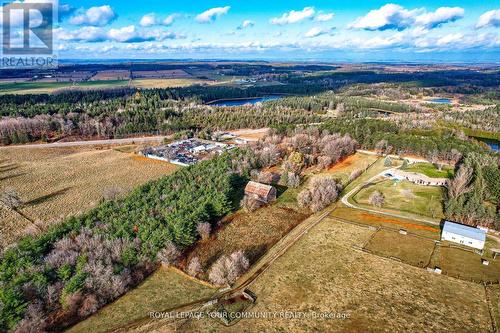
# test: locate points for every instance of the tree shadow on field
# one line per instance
(13, 176)
(47, 197)
(8, 167)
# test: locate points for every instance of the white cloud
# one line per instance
(94, 16)
(169, 20)
(84, 34)
(212, 14)
(395, 17)
(449, 39)
(246, 24)
(390, 16)
(130, 34)
(294, 16)
(151, 19)
(148, 20)
(440, 16)
(324, 17)
(318, 31)
(489, 19)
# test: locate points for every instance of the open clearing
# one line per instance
(405, 196)
(254, 233)
(164, 289)
(410, 249)
(343, 170)
(430, 170)
(322, 273)
(57, 182)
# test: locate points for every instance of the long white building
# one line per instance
(464, 235)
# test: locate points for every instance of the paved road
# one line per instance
(89, 143)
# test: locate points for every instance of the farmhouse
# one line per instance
(416, 178)
(261, 192)
(463, 234)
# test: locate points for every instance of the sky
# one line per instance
(330, 30)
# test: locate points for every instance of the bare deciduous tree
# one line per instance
(112, 192)
(194, 268)
(460, 184)
(170, 254)
(227, 269)
(377, 199)
(322, 192)
(204, 229)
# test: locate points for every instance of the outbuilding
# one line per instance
(463, 234)
(261, 192)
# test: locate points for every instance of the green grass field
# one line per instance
(430, 170)
(49, 87)
(164, 289)
(406, 197)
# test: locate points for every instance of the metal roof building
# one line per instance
(261, 192)
(463, 234)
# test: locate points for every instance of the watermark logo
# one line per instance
(28, 35)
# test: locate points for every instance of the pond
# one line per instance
(441, 100)
(494, 144)
(244, 101)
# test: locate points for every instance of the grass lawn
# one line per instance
(405, 196)
(367, 218)
(163, 290)
(410, 249)
(467, 265)
(322, 273)
(57, 182)
(430, 170)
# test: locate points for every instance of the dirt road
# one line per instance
(90, 142)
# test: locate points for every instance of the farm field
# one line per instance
(323, 273)
(165, 83)
(164, 289)
(494, 293)
(376, 220)
(405, 196)
(49, 87)
(410, 249)
(107, 80)
(466, 264)
(430, 170)
(57, 182)
(343, 170)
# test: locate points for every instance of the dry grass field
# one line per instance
(466, 264)
(409, 249)
(56, 182)
(494, 294)
(164, 289)
(358, 161)
(322, 273)
(112, 75)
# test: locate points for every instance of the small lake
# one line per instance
(441, 100)
(494, 144)
(245, 101)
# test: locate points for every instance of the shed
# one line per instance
(463, 234)
(261, 192)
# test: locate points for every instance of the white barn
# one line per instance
(464, 235)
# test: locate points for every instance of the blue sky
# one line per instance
(334, 30)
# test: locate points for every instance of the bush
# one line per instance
(204, 229)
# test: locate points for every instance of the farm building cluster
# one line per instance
(186, 152)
